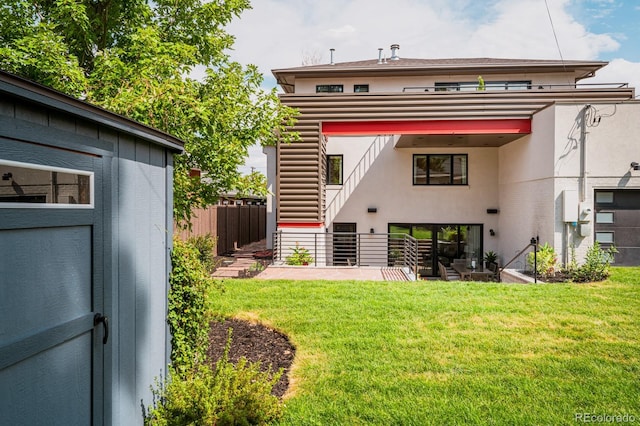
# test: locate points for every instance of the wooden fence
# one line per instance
(232, 226)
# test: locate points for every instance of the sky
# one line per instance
(287, 33)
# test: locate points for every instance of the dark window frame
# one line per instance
(328, 176)
(330, 88)
(452, 180)
(357, 88)
(457, 86)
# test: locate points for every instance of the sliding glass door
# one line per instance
(442, 243)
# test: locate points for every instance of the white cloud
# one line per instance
(619, 71)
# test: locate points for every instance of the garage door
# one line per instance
(617, 222)
(51, 325)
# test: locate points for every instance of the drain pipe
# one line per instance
(583, 153)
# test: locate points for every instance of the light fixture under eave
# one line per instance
(635, 165)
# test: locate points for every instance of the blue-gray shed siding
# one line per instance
(134, 264)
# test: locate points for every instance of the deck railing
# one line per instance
(348, 249)
(533, 86)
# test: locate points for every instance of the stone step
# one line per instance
(227, 273)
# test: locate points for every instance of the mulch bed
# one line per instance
(255, 342)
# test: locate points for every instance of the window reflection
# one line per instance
(43, 186)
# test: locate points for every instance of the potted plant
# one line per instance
(490, 257)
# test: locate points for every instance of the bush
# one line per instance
(228, 395)
(205, 244)
(547, 260)
(300, 256)
(194, 392)
(188, 320)
(596, 265)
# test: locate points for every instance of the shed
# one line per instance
(85, 239)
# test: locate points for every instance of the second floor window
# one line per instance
(329, 88)
(440, 169)
(334, 169)
(360, 88)
(470, 86)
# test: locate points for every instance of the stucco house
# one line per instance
(466, 155)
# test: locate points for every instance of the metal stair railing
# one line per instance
(356, 175)
(533, 243)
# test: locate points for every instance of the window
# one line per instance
(360, 88)
(32, 185)
(329, 88)
(440, 169)
(334, 169)
(604, 237)
(604, 197)
(604, 217)
(467, 86)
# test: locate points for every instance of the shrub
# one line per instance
(188, 320)
(226, 395)
(300, 256)
(547, 260)
(194, 392)
(596, 266)
(205, 244)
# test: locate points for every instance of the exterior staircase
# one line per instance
(358, 173)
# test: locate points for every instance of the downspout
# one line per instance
(583, 178)
(583, 153)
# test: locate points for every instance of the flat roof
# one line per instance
(411, 66)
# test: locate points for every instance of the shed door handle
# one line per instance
(99, 318)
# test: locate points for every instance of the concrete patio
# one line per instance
(278, 272)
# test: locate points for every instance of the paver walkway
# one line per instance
(242, 260)
(277, 272)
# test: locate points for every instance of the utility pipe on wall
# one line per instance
(583, 153)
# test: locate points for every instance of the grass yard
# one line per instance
(451, 352)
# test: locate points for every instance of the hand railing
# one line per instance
(533, 243)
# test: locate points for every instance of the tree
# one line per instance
(136, 58)
(255, 183)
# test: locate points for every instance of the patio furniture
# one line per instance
(470, 274)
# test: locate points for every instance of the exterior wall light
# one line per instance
(635, 165)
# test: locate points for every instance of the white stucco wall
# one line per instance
(612, 142)
(396, 84)
(535, 171)
(270, 152)
(388, 186)
(526, 188)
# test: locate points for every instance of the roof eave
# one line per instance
(37, 93)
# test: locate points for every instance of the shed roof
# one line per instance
(37, 93)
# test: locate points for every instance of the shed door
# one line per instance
(51, 353)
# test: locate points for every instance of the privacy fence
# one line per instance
(232, 226)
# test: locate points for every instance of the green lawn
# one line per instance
(451, 352)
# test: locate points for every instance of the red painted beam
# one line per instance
(428, 127)
(300, 224)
